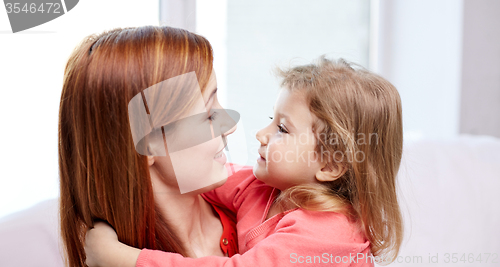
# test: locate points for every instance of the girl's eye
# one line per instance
(271, 117)
(212, 117)
(282, 129)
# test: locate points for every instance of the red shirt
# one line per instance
(229, 239)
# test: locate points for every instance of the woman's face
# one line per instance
(196, 157)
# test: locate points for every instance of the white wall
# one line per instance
(480, 105)
(31, 72)
(420, 52)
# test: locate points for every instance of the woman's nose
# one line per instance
(230, 131)
(229, 121)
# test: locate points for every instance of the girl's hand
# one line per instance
(98, 241)
(102, 248)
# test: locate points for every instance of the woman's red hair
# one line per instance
(102, 177)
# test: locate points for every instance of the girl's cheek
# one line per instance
(271, 153)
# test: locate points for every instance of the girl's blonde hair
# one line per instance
(359, 125)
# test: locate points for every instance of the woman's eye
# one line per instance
(212, 117)
(271, 117)
(282, 129)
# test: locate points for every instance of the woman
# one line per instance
(114, 168)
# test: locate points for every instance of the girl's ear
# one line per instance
(330, 172)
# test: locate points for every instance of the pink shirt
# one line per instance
(293, 237)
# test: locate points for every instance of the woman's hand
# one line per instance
(102, 248)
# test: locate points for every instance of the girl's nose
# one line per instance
(263, 136)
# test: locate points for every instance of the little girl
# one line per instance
(323, 190)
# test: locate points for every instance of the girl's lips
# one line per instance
(261, 159)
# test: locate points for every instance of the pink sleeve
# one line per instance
(293, 243)
(231, 194)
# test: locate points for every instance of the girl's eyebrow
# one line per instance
(288, 119)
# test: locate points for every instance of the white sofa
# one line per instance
(449, 197)
(451, 202)
(30, 237)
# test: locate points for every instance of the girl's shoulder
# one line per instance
(325, 224)
(242, 177)
(240, 185)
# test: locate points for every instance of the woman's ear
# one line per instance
(331, 171)
(151, 160)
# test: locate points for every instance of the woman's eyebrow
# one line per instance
(211, 95)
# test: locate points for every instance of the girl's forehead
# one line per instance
(292, 105)
(289, 97)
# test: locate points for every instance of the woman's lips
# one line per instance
(220, 157)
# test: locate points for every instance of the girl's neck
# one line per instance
(193, 219)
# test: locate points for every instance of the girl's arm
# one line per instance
(300, 239)
(231, 193)
(102, 248)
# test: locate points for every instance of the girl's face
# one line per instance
(203, 164)
(287, 155)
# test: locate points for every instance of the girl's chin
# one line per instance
(259, 171)
(255, 170)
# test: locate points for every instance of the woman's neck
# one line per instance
(192, 218)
